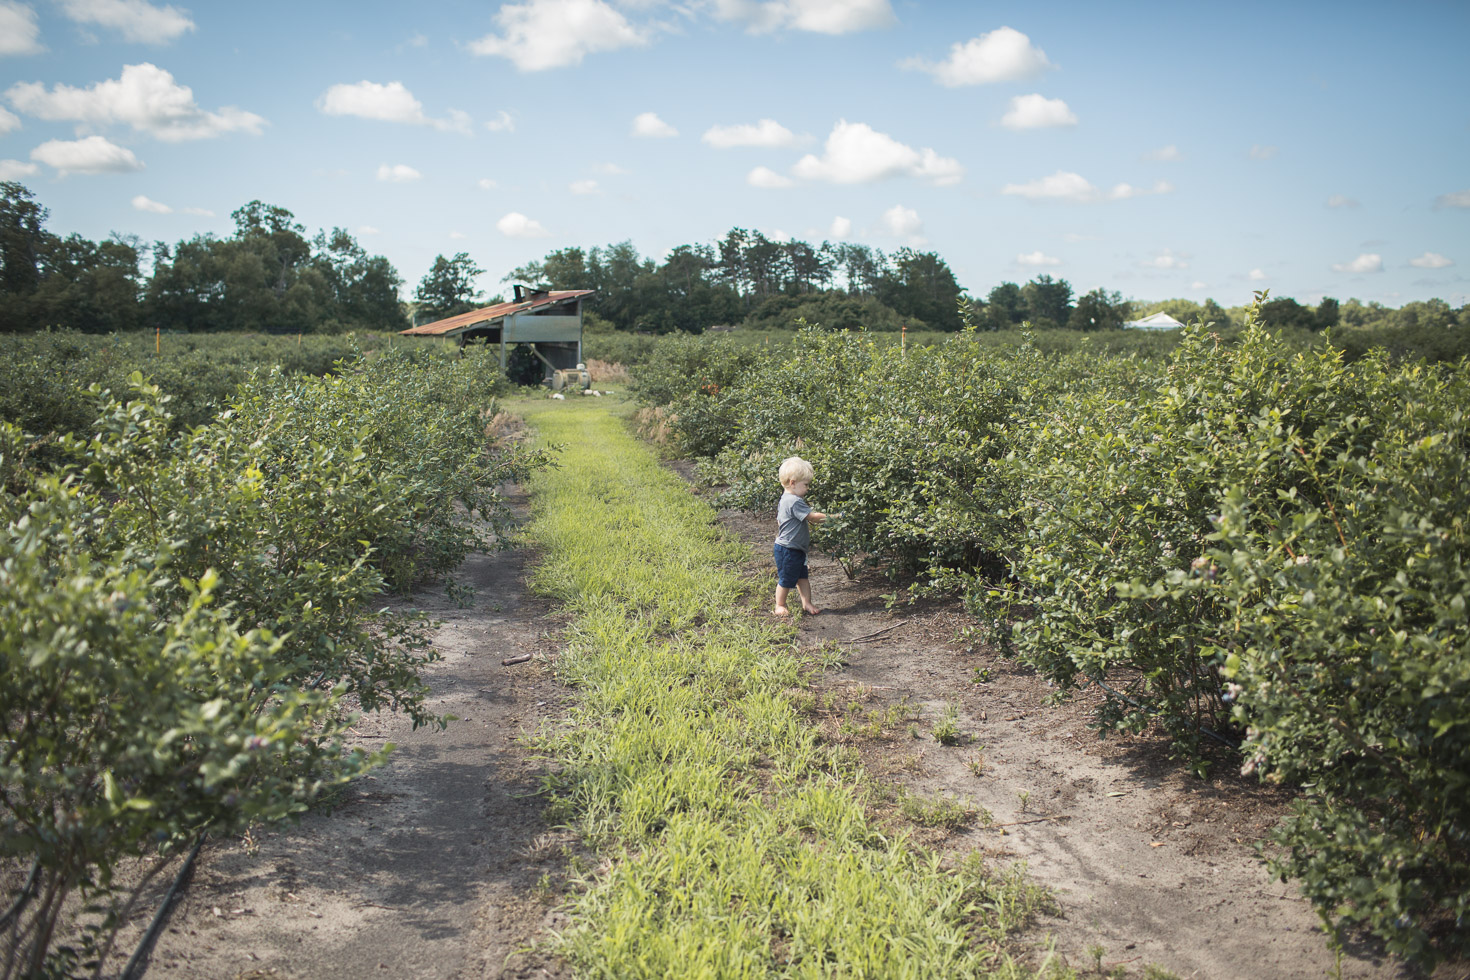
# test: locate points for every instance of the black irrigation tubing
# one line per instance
(138, 962)
(1199, 728)
(24, 898)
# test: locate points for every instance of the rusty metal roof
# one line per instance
(488, 314)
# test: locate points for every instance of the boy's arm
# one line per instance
(816, 517)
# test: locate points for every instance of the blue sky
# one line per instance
(1159, 149)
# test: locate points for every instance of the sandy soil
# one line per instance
(1145, 860)
(430, 866)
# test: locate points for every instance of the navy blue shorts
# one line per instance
(790, 566)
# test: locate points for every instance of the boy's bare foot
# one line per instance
(782, 611)
(810, 610)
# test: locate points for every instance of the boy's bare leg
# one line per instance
(781, 594)
(804, 589)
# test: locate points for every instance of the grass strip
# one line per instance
(735, 842)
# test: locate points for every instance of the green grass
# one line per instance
(734, 842)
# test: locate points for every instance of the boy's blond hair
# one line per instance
(794, 469)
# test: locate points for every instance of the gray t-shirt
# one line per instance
(791, 526)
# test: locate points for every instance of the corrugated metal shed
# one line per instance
(491, 316)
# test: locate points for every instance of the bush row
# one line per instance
(1244, 542)
(189, 617)
(44, 376)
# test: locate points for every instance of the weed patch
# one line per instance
(735, 841)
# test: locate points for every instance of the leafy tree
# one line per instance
(448, 288)
(1005, 307)
(364, 288)
(276, 238)
(1048, 301)
(1328, 314)
(1211, 312)
(88, 286)
(23, 241)
(862, 267)
(1099, 310)
(921, 285)
(1287, 312)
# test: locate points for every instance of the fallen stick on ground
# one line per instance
(869, 636)
(519, 658)
(1017, 823)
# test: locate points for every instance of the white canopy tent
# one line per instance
(1154, 321)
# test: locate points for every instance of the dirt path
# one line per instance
(428, 868)
(1147, 862)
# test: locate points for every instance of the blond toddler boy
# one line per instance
(794, 517)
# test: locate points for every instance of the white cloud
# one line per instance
(19, 32)
(1121, 192)
(142, 203)
(418, 40)
(502, 123)
(1067, 186)
(1341, 201)
(1256, 275)
(855, 153)
(486, 184)
(8, 121)
(818, 16)
(610, 169)
(904, 223)
(1199, 285)
(144, 97)
(1259, 152)
(650, 125)
(841, 228)
(136, 20)
(1063, 184)
(1367, 262)
(398, 173)
(1037, 258)
(1003, 55)
(1459, 199)
(777, 235)
(1167, 154)
(767, 179)
(517, 225)
(541, 34)
(1431, 260)
(388, 103)
(16, 169)
(367, 230)
(458, 235)
(1037, 112)
(585, 187)
(767, 132)
(1167, 259)
(91, 155)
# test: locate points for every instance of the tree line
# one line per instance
(742, 276)
(266, 276)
